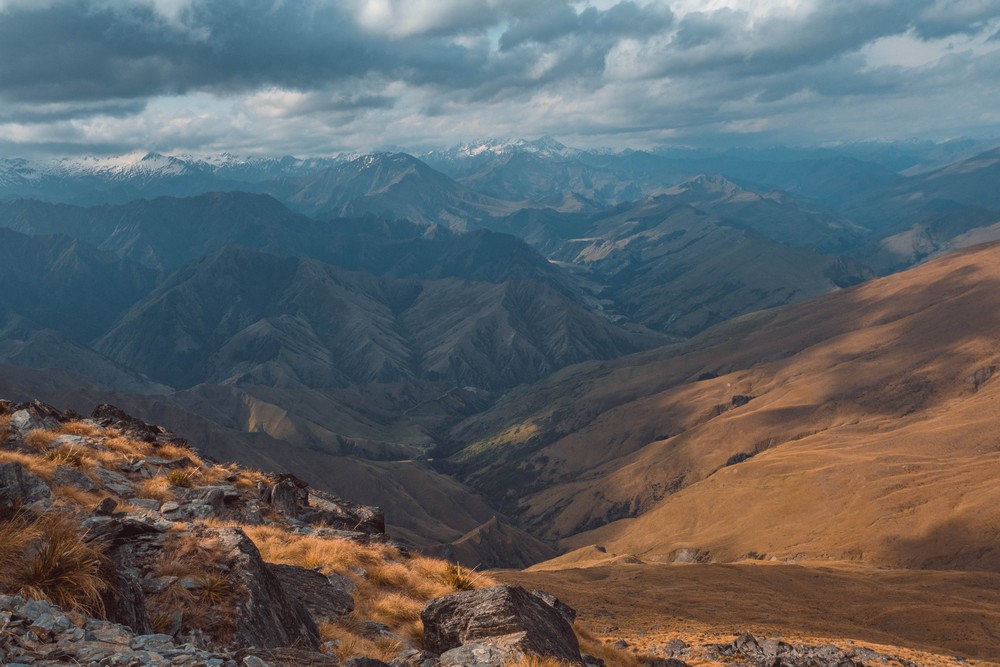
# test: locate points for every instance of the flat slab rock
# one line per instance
(507, 618)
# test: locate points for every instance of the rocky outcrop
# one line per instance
(505, 619)
(296, 500)
(267, 617)
(775, 653)
(36, 632)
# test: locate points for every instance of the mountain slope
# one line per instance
(855, 427)
(243, 317)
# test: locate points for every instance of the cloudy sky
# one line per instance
(313, 77)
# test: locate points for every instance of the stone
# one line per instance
(475, 655)
(20, 488)
(67, 476)
(505, 616)
(325, 600)
(265, 616)
(106, 507)
(113, 481)
(564, 609)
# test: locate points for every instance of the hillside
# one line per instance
(865, 413)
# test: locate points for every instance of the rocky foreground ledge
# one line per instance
(120, 545)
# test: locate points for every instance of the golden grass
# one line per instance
(48, 558)
(39, 439)
(81, 428)
(182, 479)
(393, 590)
(173, 451)
(36, 465)
(76, 497)
(157, 488)
(351, 644)
(5, 429)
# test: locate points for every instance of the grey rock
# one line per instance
(564, 609)
(476, 655)
(322, 597)
(106, 507)
(113, 481)
(169, 507)
(265, 616)
(145, 503)
(20, 488)
(504, 616)
(67, 476)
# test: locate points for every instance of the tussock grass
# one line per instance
(39, 439)
(81, 428)
(36, 465)
(72, 496)
(72, 456)
(49, 558)
(183, 479)
(352, 644)
(5, 430)
(157, 488)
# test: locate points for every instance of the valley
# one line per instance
(763, 383)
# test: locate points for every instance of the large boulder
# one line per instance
(266, 616)
(326, 598)
(506, 618)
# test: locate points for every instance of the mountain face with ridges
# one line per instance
(857, 422)
(244, 317)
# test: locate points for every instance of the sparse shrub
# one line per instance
(52, 561)
(463, 579)
(214, 589)
(39, 439)
(183, 479)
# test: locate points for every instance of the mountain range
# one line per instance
(524, 348)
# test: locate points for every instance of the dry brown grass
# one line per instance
(36, 465)
(39, 439)
(48, 558)
(182, 479)
(82, 428)
(73, 456)
(174, 451)
(157, 488)
(351, 644)
(393, 590)
(75, 497)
